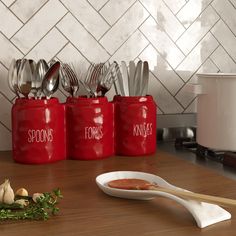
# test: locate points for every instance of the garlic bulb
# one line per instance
(6, 193)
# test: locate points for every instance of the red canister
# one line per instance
(38, 131)
(90, 128)
(135, 125)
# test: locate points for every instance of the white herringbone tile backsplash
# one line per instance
(178, 38)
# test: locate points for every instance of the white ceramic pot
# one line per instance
(216, 110)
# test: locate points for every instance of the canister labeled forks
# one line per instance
(135, 125)
(90, 128)
(38, 131)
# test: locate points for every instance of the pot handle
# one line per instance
(195, 89)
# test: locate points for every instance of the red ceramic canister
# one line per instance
(135, 125)
(38, 131)
(90, 128)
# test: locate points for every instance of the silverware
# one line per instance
(40, 71)
(145, 79)
(137, 79)
(71, 79)
(51, 80)
(131, 77)
(125, 78)
(11, 71)
(107, 79)
(25, 78)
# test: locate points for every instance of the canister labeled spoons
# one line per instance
(51, 80)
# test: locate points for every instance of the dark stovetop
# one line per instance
(187, 154)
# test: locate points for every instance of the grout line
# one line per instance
(69, 42)
(189, 106)
(5, 126)
(223, 47)
(232, 4)
(150, 43)
(224, 22)
(69, 12)
(117, 20)
(1, 93)
(124, 43)
(41, 39)
(214, 62)
(28, 19)
(98, 12)
(103, 5)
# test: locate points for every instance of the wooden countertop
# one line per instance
(86, 210)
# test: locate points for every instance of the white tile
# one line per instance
(121, 31)
(4, 88)
(184, 96)
(97, 4)
(191, 11)
(8, 51)
(197, 30)
(25, 9)
(162, 42)
(39, 25)
(87, 16)
(83, 41)
(5, 137)
(128, 51)
(7, 2)
(227, 12)
(70, 54)
(164, 17)
(161, 69)
(52, 43)
(162, 97)
(9, 23)
(197, 57)
(114, 9)
(5, 114)
(226, 38)
(223, 61)
(175, 5)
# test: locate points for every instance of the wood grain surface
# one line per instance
(86, 210)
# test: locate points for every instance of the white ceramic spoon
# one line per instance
(205, 214)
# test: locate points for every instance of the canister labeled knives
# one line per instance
(135, 125)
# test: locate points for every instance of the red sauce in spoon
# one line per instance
(130, 184)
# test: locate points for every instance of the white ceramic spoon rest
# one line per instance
(205, 214)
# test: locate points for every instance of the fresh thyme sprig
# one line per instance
(45, 206)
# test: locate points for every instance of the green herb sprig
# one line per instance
(42, 209)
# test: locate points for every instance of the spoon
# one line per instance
(205, 214)
(51, 80)
(11, 75)
(140, 184)
(25, 78)
(40, 71)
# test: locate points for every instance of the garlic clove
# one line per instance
(22, 192)
(9, 195)
(22, 202)
(37, 195)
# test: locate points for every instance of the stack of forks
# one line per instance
(129, 81)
